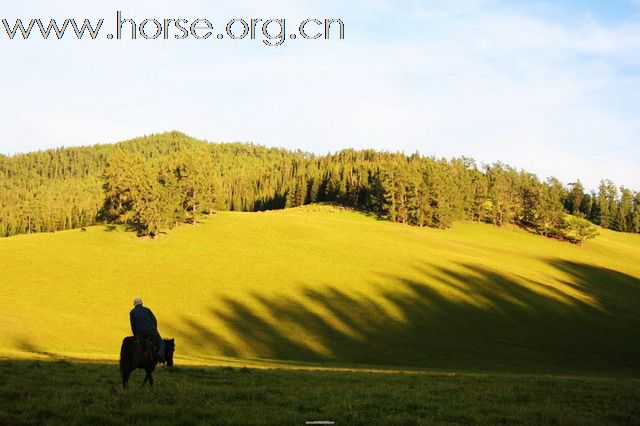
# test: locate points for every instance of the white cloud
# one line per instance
(469, 78)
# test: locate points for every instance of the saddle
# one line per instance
(146, 343)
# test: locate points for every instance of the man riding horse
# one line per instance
(145, 325)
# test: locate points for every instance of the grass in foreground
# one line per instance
(36, 392)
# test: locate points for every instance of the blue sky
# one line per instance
(549, 86)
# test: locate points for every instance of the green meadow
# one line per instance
(325, 286)
(475, 324)
(60, 392)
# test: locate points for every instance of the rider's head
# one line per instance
(137, 301)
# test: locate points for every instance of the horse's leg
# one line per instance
(125, 378)
(148, 378)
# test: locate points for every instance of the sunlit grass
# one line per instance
(329, 286)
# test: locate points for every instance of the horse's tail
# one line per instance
(125, 354)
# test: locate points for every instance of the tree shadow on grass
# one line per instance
(110, 228)
(470, 318)
(26, 344)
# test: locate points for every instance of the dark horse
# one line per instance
(139, 352)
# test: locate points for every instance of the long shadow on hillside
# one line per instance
(26, 344)
(469, 318)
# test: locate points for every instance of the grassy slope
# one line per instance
(322, 285)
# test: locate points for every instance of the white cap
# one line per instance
(137, 301)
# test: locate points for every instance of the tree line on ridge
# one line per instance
(155, 182)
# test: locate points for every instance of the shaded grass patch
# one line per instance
(190, 395)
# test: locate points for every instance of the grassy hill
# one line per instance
(325, 286)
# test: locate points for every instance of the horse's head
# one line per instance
(169, 349)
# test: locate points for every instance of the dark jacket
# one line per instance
(143, 321)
